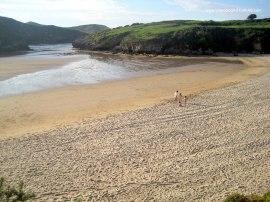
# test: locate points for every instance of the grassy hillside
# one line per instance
(15, 35)
(92, 28)
(183, 37)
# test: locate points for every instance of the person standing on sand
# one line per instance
(176, 95)
(185, 100)
(180, 97)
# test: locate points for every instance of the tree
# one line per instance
(252, 17)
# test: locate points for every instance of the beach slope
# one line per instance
(217, 145)
(47, 109)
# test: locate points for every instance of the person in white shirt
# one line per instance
(176, 95)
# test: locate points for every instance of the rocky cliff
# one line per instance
(182, 37)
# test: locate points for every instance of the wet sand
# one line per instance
(217, 145)
(34, 112)
(16, 65)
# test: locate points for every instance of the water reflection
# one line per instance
(97, 68)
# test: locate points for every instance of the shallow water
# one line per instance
(51, 50)
(96, 68)
(82, 72)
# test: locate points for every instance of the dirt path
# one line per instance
(217, 145)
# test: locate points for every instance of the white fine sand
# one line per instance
(217, 145)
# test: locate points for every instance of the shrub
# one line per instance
(266, 196)
(250, 198)
(236, 198)
(14, 193)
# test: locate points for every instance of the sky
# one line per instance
(115, 13)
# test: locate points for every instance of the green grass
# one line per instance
(183, 37)
(151, 30)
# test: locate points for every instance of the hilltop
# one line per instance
(183, 37)
(91, 28)
(34, 23)
(16, 36)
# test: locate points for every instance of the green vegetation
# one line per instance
(14, 194)
(89, 29)
(16, 36)
(251, 198)
(183, 37)
(79, 199)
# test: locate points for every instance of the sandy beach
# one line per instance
(34, 112)
(217, 145)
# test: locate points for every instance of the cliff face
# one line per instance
(176, 39)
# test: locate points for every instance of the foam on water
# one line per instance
(83, 72)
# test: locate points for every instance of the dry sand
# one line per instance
(47, 109)
(217, 145)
